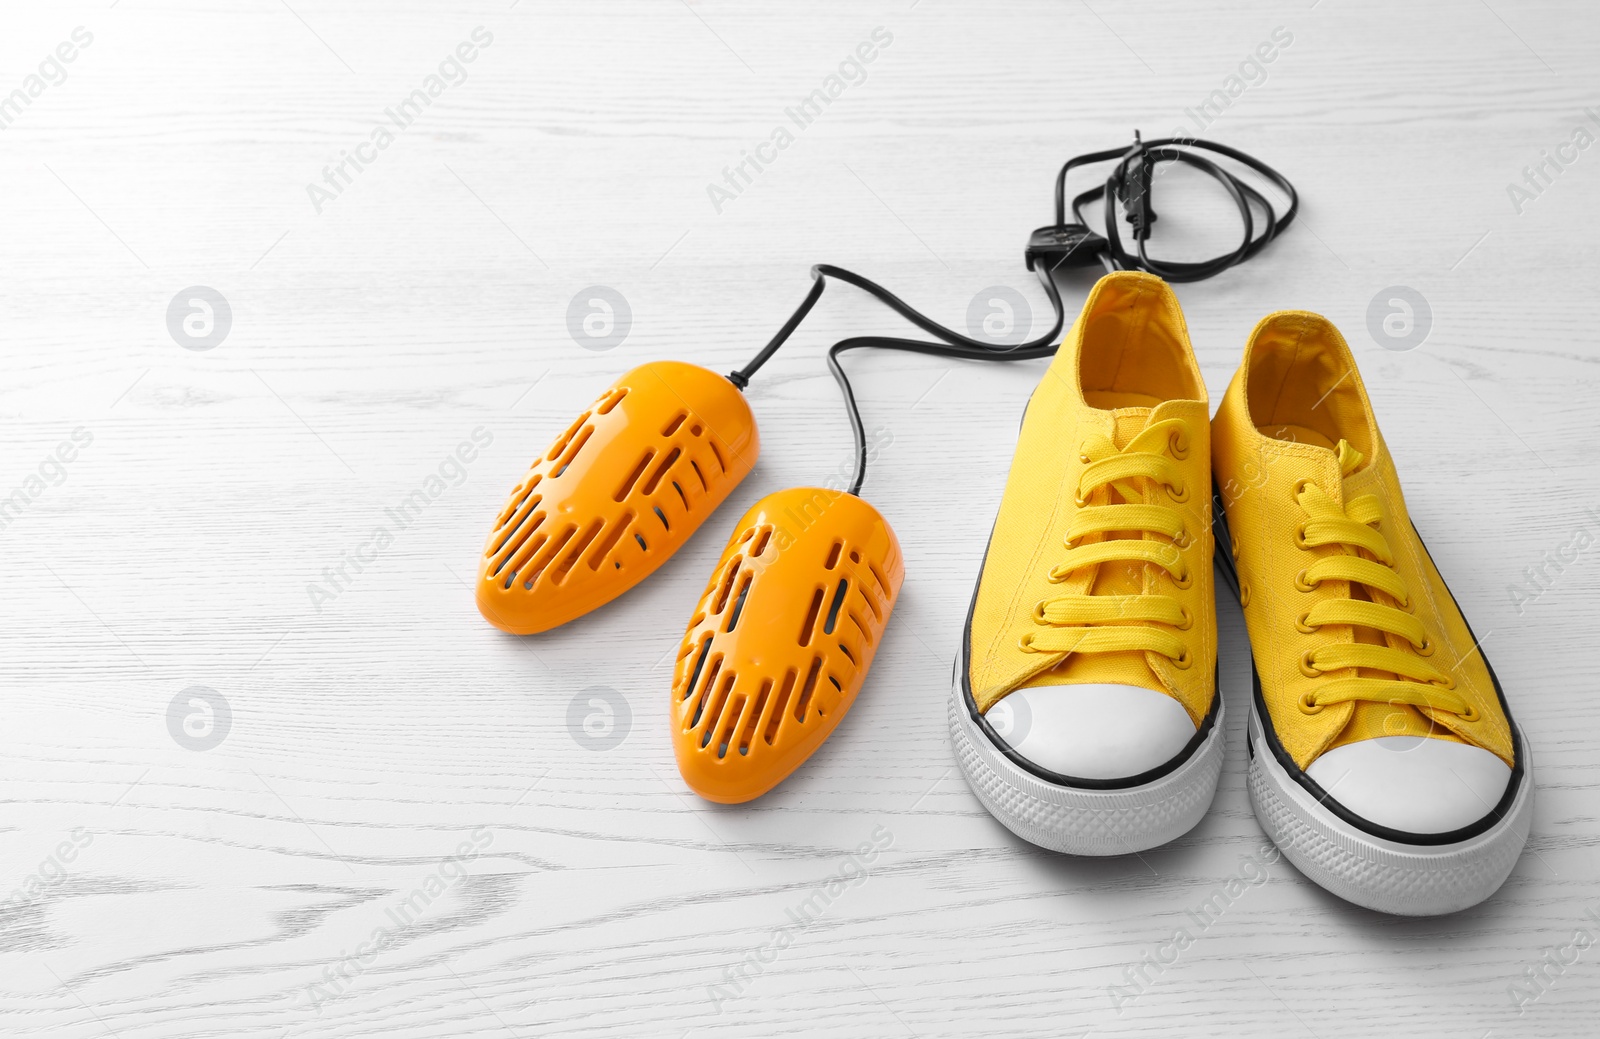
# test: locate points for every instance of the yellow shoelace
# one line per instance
(1365, 559)
(1122, 623)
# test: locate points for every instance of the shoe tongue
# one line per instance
(1129, 423)
(1349, 458)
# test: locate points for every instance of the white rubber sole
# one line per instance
(1403, 879)
(1078, 821)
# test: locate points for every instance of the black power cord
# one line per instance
(1054, 246)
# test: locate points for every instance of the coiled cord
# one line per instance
(1130, 183)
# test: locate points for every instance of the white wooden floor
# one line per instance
(217, 868)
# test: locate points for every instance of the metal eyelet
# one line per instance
(1188, 619)
(1079, 500)
(1083, 456)
(1300, 485)
(1470, 714)
(1177, 446)
(1448, 683)
(1186, 582)
(1038, 612)
(1300, 538)
(1427, 648)
(1302, 581)
(1183, 662)
(1308, 703)
(1303, 626)
(1177, 494)
(1025, 643)
(1244, 594)
(1307, 668)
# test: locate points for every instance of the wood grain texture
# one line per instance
(229, 891)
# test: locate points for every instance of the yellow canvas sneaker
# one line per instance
(1383, 760)
(1084, 710)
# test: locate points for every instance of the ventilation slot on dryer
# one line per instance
(725, 586)
(801, 705)
(518, 531)
(809, 627)
(747, 731)
(570, 560)
(609, 542)
(883, 582)
(728, 722)
(703, 698)
(633, 477)
(542, 561)
(699, 664)
(566, 438)
(572, 451)
(790, 677)
(514, 562)
(518, 498)
(738, 603)
(871, 601)
(717, 707)
(654, 481)
(833, 611)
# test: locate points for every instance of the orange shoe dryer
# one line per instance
(617, 493)
(782, 639)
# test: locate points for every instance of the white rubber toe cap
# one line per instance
(1413, 783)
(1103, 732)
